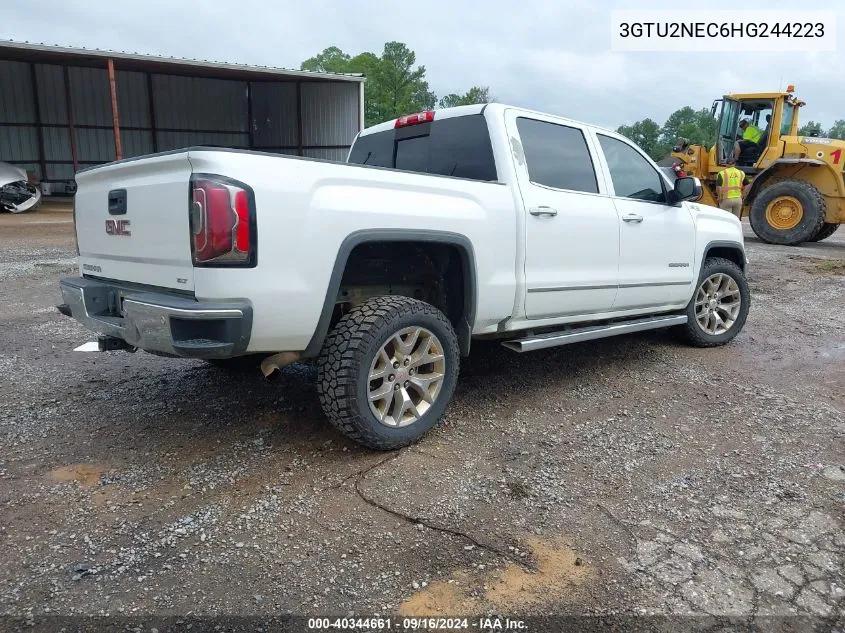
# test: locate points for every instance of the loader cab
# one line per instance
(758, 112)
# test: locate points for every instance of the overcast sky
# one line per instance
(548, 55)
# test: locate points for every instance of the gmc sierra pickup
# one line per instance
(482, 221)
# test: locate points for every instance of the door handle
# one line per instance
(543, 210)
(632, 217)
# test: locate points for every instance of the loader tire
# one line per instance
(825, 232)
(387, 371)
(788, 212)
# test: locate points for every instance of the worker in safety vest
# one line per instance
(729, 184)
(751, 136)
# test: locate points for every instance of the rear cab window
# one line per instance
(456, 146)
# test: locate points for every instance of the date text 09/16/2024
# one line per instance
(416, 624)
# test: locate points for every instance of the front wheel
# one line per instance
(387, 371)
(719, 307)
(788, 212)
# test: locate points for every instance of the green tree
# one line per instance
(476, 94)
(395, 84)
(331, 60)
(838, 130)
(697, 126)
(402, 87)
(646, 134)
(809, 127)
(368, 64)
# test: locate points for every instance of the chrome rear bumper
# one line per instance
(159, 321)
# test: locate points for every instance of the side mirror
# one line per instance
(686, 188)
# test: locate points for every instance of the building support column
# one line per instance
(39, 129)
(118, 149)
(249, 127)
(299, 118)
(74, 155)
(152, 108)
(361, 107)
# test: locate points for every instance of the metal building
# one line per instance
(62, 109)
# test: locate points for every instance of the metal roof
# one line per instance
(27, 51)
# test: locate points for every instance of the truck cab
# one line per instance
(773, 113)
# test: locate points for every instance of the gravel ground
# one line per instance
(631, 475)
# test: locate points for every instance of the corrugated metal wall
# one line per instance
(51, 83)
(329, 114)
(159, 112)
(274, 115)
(18, 143)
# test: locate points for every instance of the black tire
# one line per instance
(825, 232)
(691, 332)
(812, 203)
(237, 363)
(348, 353)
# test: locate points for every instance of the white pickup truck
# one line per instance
(482, 221)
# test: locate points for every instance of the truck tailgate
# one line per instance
(132, 221)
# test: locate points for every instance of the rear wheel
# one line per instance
(825, 232)
(387, 371)
(788, 212)
(719, 307)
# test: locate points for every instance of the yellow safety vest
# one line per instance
(752, 133)
(732, 183)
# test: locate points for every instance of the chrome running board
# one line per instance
(592, 332)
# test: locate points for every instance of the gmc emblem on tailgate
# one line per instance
(118, 227)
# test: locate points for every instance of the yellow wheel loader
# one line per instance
(797, 193)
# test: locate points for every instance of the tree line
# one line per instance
(396, 85)
(811, 128)
(699, 127)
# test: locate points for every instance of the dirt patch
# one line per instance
(105, 496)
(87, 475)
(443, 598)
(559, 574)
(53, 229)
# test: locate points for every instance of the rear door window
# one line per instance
(557, 155)
(457, 146)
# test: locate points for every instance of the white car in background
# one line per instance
(17, 194)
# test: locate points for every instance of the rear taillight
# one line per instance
(414, 119)
(222, 219)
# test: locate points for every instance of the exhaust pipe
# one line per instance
(271, 366)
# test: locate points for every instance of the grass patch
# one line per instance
(831, 267)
